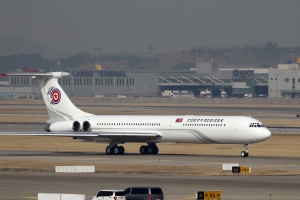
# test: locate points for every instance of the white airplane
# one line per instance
(69, 121)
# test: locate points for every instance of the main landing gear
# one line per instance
(151, 148)
(114, 149)
(245, 153)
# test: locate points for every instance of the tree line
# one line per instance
(264, 56)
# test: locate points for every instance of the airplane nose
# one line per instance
(264, 134)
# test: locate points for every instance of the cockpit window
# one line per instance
(256, 125)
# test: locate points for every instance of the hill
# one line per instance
(14, 45)
(264, 56)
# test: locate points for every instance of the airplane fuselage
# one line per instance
(183, 129)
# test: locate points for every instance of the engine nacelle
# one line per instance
(86, 126)
(64, 126)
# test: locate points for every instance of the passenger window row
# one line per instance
(204, 124)
(128, 124)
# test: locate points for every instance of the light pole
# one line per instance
(293, 57)
(277, 82)
(197, 54)
(97, 49)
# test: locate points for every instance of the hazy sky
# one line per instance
(169, 25)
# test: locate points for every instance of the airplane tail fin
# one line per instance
(58, 104)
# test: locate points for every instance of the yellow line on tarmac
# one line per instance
(3, 197)
(31, 197)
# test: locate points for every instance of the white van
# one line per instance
(110, 195)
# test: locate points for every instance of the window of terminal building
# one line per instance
(298, 79)
(33, 81)
(286, 80)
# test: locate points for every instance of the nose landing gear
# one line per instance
(245, 153)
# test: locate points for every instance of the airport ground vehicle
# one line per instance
(144, 193)
(109, 195)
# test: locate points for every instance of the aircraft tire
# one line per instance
(121, 150)
(150, 150)
(108, 150)
(116, 150)
(244, 154)
(143, 149)
(155, 150)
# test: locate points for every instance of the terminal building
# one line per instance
(205, 78)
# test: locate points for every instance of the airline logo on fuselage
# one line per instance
(54, 95)
(179, 120)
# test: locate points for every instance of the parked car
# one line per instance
(110, 195)
(144, 193)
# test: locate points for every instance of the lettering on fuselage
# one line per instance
(204, 120)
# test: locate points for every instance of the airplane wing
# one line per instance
(132, 136)
(125, 136)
